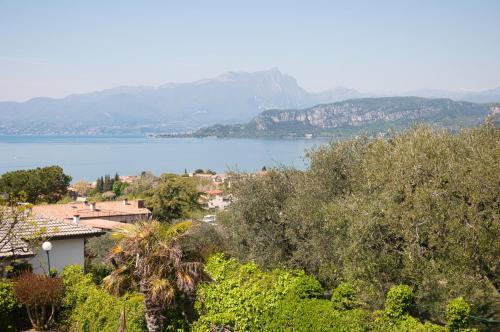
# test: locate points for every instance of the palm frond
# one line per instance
(124, 231)
(116, 283)
(162, 291)
(185, 282)
(177, 230)
(118, 249)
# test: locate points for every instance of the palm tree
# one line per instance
(149, 258)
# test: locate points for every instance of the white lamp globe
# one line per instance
(47, 246)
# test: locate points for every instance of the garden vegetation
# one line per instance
(420, 208)
(387, 234)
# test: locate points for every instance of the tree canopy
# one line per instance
(46, 184)
(419, 208)
(172, 197)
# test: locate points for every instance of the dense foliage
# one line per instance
(419, 208)
(457, 315)
(46, 184)
(12, 314)
(144, 182)
(172, 197)
(87, 307)
(243, 297)
(106, 183)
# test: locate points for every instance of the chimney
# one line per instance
(92, 206)
(76, 219)
(125, 201)
(140, 204)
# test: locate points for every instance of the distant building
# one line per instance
(128, 178)
(221, 179)
(203, 175)
(214, 192)
(105, 215)
(67, 239)
(209, 218)
(216, 199)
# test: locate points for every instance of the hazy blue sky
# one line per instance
(54, 48)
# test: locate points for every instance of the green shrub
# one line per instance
(396, 317)
(315, 315)
(343, 297)
(99, 271)
(384, 323)
(246, 298)
(101, 312)
(12, 313)
(457, 315)
(53, 272)
(398, 301)
(87, 307)
(18, 267)
(75, 284)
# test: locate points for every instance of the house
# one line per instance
(106, 215)
(23, 241)
(217, 200)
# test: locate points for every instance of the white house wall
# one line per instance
(64, 252)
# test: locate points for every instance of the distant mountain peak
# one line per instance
(231, 97)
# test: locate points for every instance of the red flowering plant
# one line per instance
(41, 295)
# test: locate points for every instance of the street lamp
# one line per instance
(47, 246)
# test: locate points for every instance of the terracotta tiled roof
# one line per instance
(37, 227)
(102, 209)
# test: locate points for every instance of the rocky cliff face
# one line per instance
(367, 111)
(366, 116)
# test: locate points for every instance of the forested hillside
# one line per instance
(366, 116)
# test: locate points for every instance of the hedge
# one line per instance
(87, 307)
(246, 298)
(243, 297)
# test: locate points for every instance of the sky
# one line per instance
(55, 48)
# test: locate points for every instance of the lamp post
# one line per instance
(47, 246)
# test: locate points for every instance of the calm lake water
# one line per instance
(90, 157)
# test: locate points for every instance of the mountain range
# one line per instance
(233, 97)
(364, 116)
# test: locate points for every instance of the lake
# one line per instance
(90, 157)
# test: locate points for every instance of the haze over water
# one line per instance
(90, 157)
